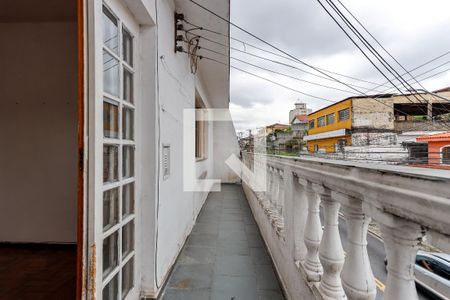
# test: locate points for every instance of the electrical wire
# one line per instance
(381, 59)
(286, 87)
(274, 72)
(280, 50)
(244, 43)
(429, 108)
(258, 76)
(373, 51)
(271, 45)
(273, 61)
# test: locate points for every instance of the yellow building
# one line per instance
(372, 120)
(329, 127)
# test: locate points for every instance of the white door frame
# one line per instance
(95, 185)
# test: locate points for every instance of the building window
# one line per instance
(200, 130)
(446, 155)
(316, 148)
(118, 245)
(311, 124)
(330, 119)
(321, 122)
(344, 114)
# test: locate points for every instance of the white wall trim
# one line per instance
(325, 135)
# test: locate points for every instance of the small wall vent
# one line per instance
(166, 161)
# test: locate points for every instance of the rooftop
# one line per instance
(435, 137)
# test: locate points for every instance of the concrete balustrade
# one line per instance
(357, 276)
(331, 253)
(405, 202)
(313, 234)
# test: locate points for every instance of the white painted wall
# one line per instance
(177, 86)
(38, 117)
(177, 209)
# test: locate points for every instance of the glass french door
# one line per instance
(118, 184)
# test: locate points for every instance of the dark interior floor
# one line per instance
(37, 272)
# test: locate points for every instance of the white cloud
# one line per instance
(414, 31)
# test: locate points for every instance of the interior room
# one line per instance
(38, 157)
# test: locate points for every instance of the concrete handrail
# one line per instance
(404, 201)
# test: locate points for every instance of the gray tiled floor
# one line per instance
(224, 257)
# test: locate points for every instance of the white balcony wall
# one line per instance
(405, 202)
(176, 87)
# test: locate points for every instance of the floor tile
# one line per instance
(191, 277)
(234, 265)
(225, 256)
(234, 287)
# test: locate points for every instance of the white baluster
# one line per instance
(270, 184)
(281, 191)
(331, 253)
(300, 213)
(313, 235)
(357, 276)
(401, 241)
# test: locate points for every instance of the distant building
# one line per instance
(276, 126)
(438, 149)
(299, 125)
(299, 110)
(375, 120)
(352, 121)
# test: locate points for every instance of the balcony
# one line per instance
(312, 222)
(299, 217)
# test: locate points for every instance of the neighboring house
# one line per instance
(299, 125)
(274, 127)
(93, 96)
(438, 149)
(375, 120)
(354, 121)
(422, 111)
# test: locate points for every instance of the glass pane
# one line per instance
(111, 289)
(110, 253)
(128, 123)
(110, 163)
(127, 277)
(128, 161)
(127, 239)
(110, 74)
(128, 199)
(127, 86)
(110, 208)
(110, 120)
(110, 31)
(127, 47)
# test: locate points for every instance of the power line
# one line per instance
(271, 45)
(275, 72)
(369, 47)
(323, 77)
(430, 111)
(271, 60)
(258, 76)
(284, 52)
(275, 54)
(284, 86)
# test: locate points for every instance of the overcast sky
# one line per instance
(414, 31)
